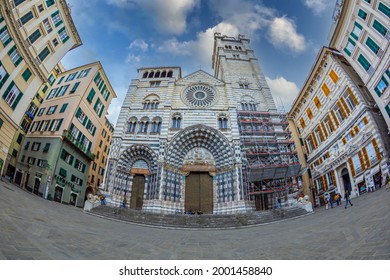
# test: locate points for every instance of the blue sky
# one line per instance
(125, 35)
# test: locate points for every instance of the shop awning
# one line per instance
(359, 179)
(375, 169)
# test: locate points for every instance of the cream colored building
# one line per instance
(341, 137)
(361, 32)
(58, 149)
(34, 37)
(29, 115)
(102, 149)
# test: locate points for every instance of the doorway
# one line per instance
(37, 183)
(137, 192)
(199, 193)
(346, 180)
(58, 194)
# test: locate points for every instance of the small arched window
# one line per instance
(157, 75)
(163, 74)
(222, 122)
(176, 121)
(132, 125)
(145, 75)
(151, 75)
(170, 73)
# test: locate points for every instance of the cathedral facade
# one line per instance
(178, 143)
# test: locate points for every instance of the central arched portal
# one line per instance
(199, 162)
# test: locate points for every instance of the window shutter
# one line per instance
(63, 153)
(335, 118)
(59, 124)
(376, 148)
(78, 113)
(17, 101)
(366, 158)
(315, 140)
(350, 161)
(347, 110)
(356, 130)
(83, 168)
(325, 89)
(361, 159)
(71, 159)
(333, 76)
(365, 120)
(354, 100)
(85, 120)
(344, 141)
(341, 109)
(324, 129)
(333, 178)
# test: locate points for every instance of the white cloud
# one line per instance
(283, 34)
(318, 6)
(283, 91)
(131, 58)
(139, 44)
(201, 49)
(169, 15)
(116, 105)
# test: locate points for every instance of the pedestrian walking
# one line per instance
(347, 199)
(124, 202)
(326, 204)
(371, 186)
(337, 198)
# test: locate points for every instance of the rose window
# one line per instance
(199, 95)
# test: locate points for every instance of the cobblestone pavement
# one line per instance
(34, 228)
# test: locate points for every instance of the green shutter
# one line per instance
(101, 111)
(379, 27)
(59, 125)
(91, 95)
(364, 62)
(71, 159)
(83, 168)
(63, 154)
(362, 14)
(20, 95)
(63, 108)
(26, 74)
(388, 109)
(1, 123)
(372, 45)
(384, 9)
(108, 94)
(347, 51)
(94, 131)
(378, 92)
(85, 120)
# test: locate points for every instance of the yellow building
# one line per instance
(32, 109)
(340, 137)
(34, 37)
(98, 166)
(58, 149)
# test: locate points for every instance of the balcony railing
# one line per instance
(66, 134)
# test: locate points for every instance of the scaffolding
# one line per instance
(270, 159)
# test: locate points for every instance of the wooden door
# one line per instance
(199, 192)
(137, 192)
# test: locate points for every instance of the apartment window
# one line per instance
(26, 18)
(57, 125)
(84, 73)
(75, 87)
(362, 14)
(18, 2)
(71, 77)
(81, 116)
(40, 8)
(350, 47)
(63, 108)
(333, 76)
(49, 3)
(350, 102)
(5, 38)
(384, 9)
(364, 62)
(379, 27)
(372, 45)
(382, 86)
(76, 180)
(91, 128)
(64, 36)
(357, 30)
(339, 113)
(67, 157)
(46, 148)
(56, 18)
(51, 79)
(79, 166)
(26, 74)
(31, 160)
(35, 146)
(51, 110)
(302, 122)
(20, 138)
(99, 107)
(62, 90)
(222, 122)
(42, 163)
(91, 95)
(325, 89)
(55, 42)
(3, 75)
(15, 56)
(47, 25)
(43, 54)
(12, 95)
(309, 113)
(34, 36)
(94, 165)
(356, 163)
(317, 102)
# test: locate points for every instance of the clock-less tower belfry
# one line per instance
(201, 143)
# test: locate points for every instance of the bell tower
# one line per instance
(234, 62)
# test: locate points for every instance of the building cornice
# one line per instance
(66, 12)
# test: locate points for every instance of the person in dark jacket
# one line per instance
(347, 199)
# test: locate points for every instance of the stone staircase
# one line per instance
(197, 221)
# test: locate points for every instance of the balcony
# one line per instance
(68, 136)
